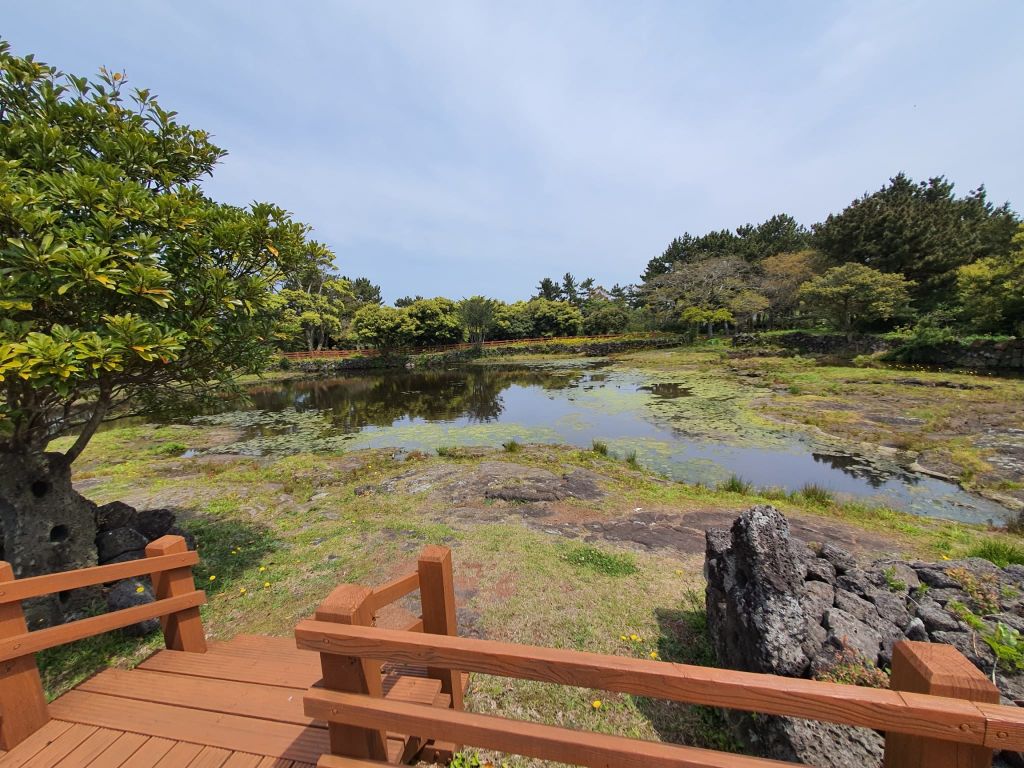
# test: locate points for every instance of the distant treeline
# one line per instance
(912, 255)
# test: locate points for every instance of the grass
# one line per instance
(816, 494)
(998, 552)
(599, 447)
(632, 460)
(736, 484)
(606, 563)
(512, 446)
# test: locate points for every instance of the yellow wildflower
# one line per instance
(140, 589)
(654, 654)
(213, 578)
(596, 704)
(266, 584)
(241, 590)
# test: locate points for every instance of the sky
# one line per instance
(449, 148)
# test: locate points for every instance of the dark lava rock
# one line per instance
(935, 617)
(935, 576)
(846, 631)
(116, 514)
(890, 606)
(856, 581)
(128, 594)
(916, 631)
(970, 645)
(840, 559)
(819, 569)
(154, 523)
(856, 606)
(110, 544)
(817, 598)
(190, 540)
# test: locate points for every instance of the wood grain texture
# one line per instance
(349, 605)
(933, 717)
(40, 640)
(22, 701)
(119, 753)
(183, 629)
(265, 671)
(51, 583)
(392, 591)
(529, 739)
(437, 596)
(940, 670)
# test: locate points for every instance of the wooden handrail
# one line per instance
(392, 591)
(32, 642)
(934, 717)
(37, 586)
(546, 742)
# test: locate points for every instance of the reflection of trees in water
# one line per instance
(859, 468)
(379, 400)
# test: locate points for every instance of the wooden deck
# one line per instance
(239, 705)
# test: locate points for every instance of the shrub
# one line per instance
(448, 451)
(816, 494)
(512, 446)
(1001, 553)
(608, 563)
(736, 484)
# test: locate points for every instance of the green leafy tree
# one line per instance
(694, 318)
(363, 291)
(549, 289)
(385, 328)
(512, 321)
(570, 290)
(921, 230)
(436, 322)
(605, 316)
(477, 316)
(316, 302)
(853, 295)
(121, 284)
(554, 318)
(991, 291)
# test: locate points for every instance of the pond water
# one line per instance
(689, 426)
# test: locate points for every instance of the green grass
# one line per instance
(512, 446)
(632, 460)
(736, 484)
(816, 494)
(606, 563)
(599, 447)
(998, 552)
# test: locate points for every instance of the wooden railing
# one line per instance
(370, 352)
(168, 563)
(942, 711)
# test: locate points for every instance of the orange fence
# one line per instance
(168, 563)
(942, 711)
(342, 353)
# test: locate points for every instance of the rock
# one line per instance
(890, 607)
(855, 581)
(845, 631)
(124, 557)
(935, 576)
(819, 569)
(815, 640)
(935, 618)
(891, 571)
(110, 544)
(840, 559)
(190, 540)
(856, 606)
(817, 598)
(154, 523)
(754, 615)
(128, 594)
(943, 596)
(890, 634)
(916, 630)
(813, 743)
(116, 514)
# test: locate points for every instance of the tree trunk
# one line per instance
(45, 526)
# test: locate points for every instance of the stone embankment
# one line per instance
(782, 606)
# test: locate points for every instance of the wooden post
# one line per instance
(22, 702)
(437, 596)
(183, 631)
(940, 670)
(347, 604)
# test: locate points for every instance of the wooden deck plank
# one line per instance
(415, 690)
(262, 702)
(86, 753)
(60, 747)
(150, 753)
(242, 760)
(277, 762)
(180, 754)
(262, 671)
(210, 757)
(212, 729)
(120, 752)
(17, 757)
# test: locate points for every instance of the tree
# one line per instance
(695, 317)
(435, 322)
(991, 291)
(407, 301)
(854, 295)
(385, 328)
(554, 318)
(710, 284)
(920, 230)
(363, 291)
(570, 289)
(605, 317)
(315, 299)
(121, 284)
(477, 316)
(781, 278)
(549, 289)
(512, 321)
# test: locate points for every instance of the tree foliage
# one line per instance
(477, 316)
(120, 281)
(991, 291)
(853, 295)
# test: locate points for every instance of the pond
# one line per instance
(688, 426)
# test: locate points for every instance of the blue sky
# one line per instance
(447, 148)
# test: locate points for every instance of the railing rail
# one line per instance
(168, 563)
(942, 713)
